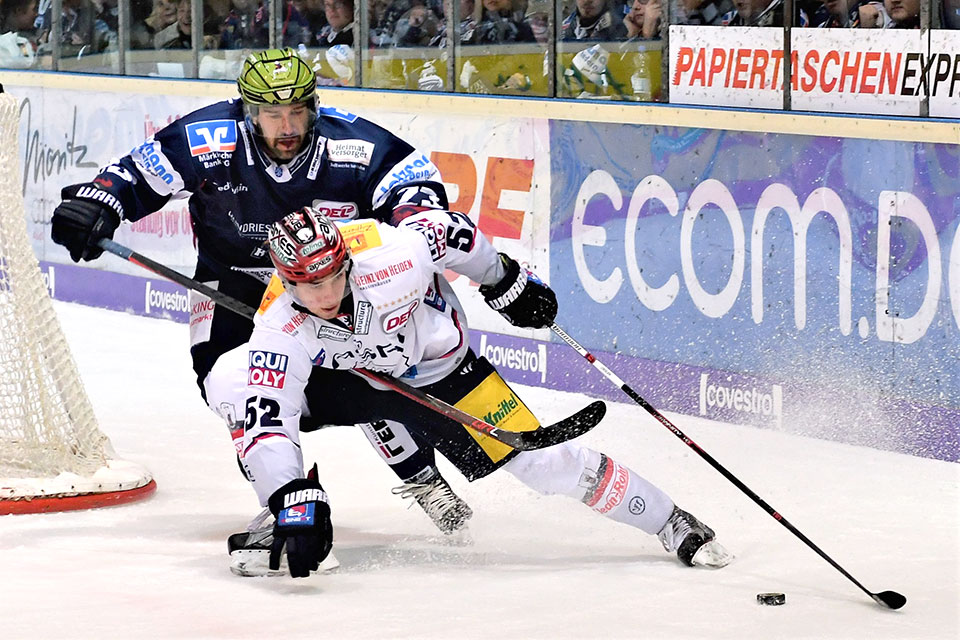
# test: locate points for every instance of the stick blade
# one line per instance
(567, 429)
(890, 599)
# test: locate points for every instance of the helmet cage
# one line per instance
(276, 77)
(251, 113)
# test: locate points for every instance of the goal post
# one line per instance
(53, 456)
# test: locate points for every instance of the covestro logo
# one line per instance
(159, 300)
(519, 358)
(724, 395)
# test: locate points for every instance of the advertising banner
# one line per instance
(859, 70)
(828, 267)
(732, 66)
(488, 165)
(65, 137)
(944, 73)
(722, 395)
(884, 72)
(120, 292)
(804, 283)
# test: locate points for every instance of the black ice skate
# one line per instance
(250, 550)
(447, 510)
(693, 541)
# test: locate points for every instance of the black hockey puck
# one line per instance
(771, 598)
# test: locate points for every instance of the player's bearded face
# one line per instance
(323, 297)
(283, 129)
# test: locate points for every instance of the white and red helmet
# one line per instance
(306, 246)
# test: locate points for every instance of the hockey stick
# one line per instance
(891, 599)
(566, 429)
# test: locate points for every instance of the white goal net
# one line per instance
(53, 456)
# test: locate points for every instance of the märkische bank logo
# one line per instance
(212, 136)
(507, 405)
(724, 395)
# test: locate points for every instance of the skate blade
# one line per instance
(712, 555)
(255, 563)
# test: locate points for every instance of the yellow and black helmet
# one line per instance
(276, 76)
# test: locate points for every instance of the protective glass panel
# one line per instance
(503, 46)
(231, 30)
(768, 13)
(88, 39)
(948, 12)
(406, 45)
(323, 32)
(24, 35)
(610, 50)
(701, 13)
(159, 32)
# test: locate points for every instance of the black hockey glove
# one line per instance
(521, 297)
(87, 214)
(303, 526)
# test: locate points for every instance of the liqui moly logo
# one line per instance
(723, 396)
(267, 369)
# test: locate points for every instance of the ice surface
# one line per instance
(539, 567)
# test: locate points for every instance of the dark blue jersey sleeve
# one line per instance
(164, 167)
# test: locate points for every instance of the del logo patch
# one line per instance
(398, 317)
(267, 369)
(337, 210)
(211, 135)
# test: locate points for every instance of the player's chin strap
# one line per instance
(546, 436)
(890, 599)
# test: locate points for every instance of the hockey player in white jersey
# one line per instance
(362, 294)
(241, 164)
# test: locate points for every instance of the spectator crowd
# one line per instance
(90, 26)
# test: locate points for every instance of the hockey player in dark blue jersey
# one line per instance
(243, 164)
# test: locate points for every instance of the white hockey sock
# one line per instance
(603, 484)
(622, 495)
